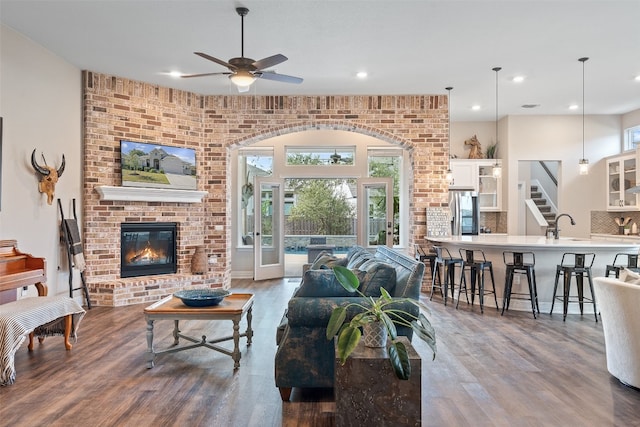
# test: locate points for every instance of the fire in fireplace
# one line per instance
(147, 249)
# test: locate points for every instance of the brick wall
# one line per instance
(117, 108)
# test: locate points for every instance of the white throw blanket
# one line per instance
(42, 315)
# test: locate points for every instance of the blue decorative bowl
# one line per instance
(202, 297)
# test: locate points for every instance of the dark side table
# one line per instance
(367, 391)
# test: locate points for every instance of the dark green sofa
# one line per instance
(305, 358)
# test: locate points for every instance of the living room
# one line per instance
(55, 107)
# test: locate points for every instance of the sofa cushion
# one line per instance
(327, 260)
(378, 274)
(358, 259)
(323, 283)
(629, 276)
(353, 250)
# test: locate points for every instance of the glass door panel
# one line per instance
(269, 233)
(375, 204)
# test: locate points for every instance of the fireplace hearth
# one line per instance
(147, 249)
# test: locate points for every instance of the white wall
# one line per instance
(560, 138)
(631, 119)
(461, 131)
(40, 102)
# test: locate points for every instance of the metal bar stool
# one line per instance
(520, 263)
(424, 256)
(476, 263)
(448, 263)
(632, 264)
(582, 263)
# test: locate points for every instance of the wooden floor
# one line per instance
(490, 371)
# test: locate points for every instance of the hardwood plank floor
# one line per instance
(490, 371)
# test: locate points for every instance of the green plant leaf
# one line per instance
(336, 320)
(362, 318)
(399, 358)
(347, 278)
(390, 326)
(384, 294)
(347, 342)
(425, 331)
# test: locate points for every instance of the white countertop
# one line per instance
(617, 237)
(538, 242)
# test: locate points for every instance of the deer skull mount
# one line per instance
(48, 176)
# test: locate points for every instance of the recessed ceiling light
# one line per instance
(637, 78)
(518, 79)
(573, 107)
(361, 74)
(175, 73)
(475, 107)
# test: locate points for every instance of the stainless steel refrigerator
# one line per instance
(465, 212)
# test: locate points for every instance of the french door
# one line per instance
(375, 212)
(268, 244)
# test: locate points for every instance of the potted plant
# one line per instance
(492, 151)
(382, 311)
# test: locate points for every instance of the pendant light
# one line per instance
(583, 163)
(497, 169)
(449, 176)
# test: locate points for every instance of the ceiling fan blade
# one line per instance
(270, 75)
(269, 61)
(216, 60)
(186, 76)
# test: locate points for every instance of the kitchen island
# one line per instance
(548, 253)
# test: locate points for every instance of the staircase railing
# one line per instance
(549, 173)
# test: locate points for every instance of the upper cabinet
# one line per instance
(478, 175)
(465, 174)
(621, 175)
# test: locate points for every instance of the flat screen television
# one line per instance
(157, 166)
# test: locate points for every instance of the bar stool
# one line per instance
(632, 264)
(424, 256)
(582, 263)
(448, 263)
(476, 263)
(520, 263)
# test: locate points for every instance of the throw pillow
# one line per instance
(326, 260)
(378, 274)
(629, 276)
(323, 283)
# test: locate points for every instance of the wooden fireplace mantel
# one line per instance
(140, 194)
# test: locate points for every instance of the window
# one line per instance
(297, 156)
(631, 138)
(251, 163)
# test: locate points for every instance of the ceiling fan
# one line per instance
(336, 159)
(243, 71)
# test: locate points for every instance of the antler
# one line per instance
(40, 169)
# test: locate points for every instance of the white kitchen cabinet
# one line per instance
(621, 175)
(465, 174)
(478, 175)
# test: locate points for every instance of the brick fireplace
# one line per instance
(117, 108)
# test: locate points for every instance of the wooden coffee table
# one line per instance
(233, 308)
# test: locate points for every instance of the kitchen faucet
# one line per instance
(556, 230)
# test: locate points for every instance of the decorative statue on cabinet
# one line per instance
(476, 148)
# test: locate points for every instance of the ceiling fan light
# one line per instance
(242, 79)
